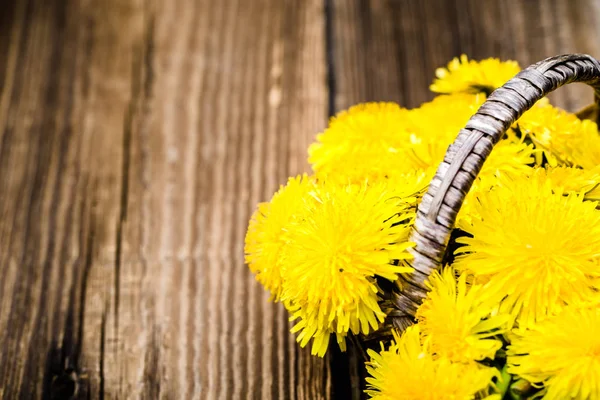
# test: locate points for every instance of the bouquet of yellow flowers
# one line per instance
(465, 279)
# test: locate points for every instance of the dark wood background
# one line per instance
(136, 137)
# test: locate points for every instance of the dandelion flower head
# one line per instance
(576, 180)
(408, 371)
(335, 248)
(510, 157)
(462, 75)
(264, 241)
(565, 139)
(455, 322)
(562, 353)
(366, 141)
(533, 248)
(435, 125)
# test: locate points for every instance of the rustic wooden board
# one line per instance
(388, 50)
(136, 136)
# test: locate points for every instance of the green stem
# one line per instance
(503, 382)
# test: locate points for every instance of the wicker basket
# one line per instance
(439, 207)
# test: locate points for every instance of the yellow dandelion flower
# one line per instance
(533, 249)
(585, 147)
(264, 242)
(576, 180)
(455, 322)
(311, 326)
(365, 141)
(335, 248)
(565, 139)
(376, 140)
(468, 76)
(562, 353)
(435, 125)
(509, 158)
(408, 371)
(412, 184)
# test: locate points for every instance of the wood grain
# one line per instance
(388, 50)
(136, 138)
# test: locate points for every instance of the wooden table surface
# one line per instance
(136, 137)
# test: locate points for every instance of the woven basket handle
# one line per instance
(437, 212)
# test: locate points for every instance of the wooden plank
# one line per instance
(63, 103)
(388, 50)
(135, 139)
